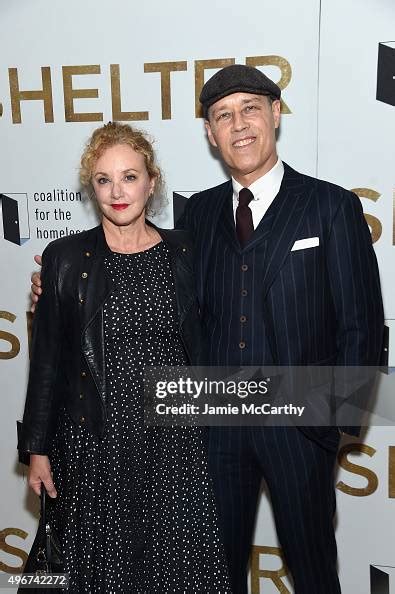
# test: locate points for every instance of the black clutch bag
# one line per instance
(46, 554)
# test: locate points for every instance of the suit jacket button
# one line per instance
(87, 254)
(82, 420)
(81, 300)
(81, 396)
(84, 275)
(242, 345)
(83, 373)
(243, 319)
(244, 292)
(244, 267)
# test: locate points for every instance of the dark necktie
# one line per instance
(244, 224)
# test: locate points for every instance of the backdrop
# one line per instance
(67, 67)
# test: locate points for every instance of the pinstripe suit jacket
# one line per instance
(322, 305)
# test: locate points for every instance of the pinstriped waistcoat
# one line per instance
(233, 314)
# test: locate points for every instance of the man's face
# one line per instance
(242, 126)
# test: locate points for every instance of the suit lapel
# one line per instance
(228, 223)
(209, 226)
(293, 202)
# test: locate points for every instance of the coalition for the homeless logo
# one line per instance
(386, 73)
(15, 218)
(382, 579)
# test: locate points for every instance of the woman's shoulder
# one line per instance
(176, 237)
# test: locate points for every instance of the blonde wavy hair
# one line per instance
(115, 133)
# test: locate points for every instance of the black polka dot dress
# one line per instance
(135, 510)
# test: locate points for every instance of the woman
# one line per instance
(134, 509)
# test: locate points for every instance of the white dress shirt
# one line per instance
(265, 189)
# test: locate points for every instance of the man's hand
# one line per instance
(36, 285)
(40, 472)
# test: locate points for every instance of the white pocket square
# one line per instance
(309, 242)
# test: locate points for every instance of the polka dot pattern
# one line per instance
(135, 511)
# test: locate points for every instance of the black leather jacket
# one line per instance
(67, 366)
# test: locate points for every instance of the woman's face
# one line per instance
(122, 185)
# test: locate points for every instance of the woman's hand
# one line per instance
(36, 285)
(40, 472)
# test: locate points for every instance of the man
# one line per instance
(266, 302)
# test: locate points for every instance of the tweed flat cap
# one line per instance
(237, 78)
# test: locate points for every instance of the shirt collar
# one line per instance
(267, 185)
